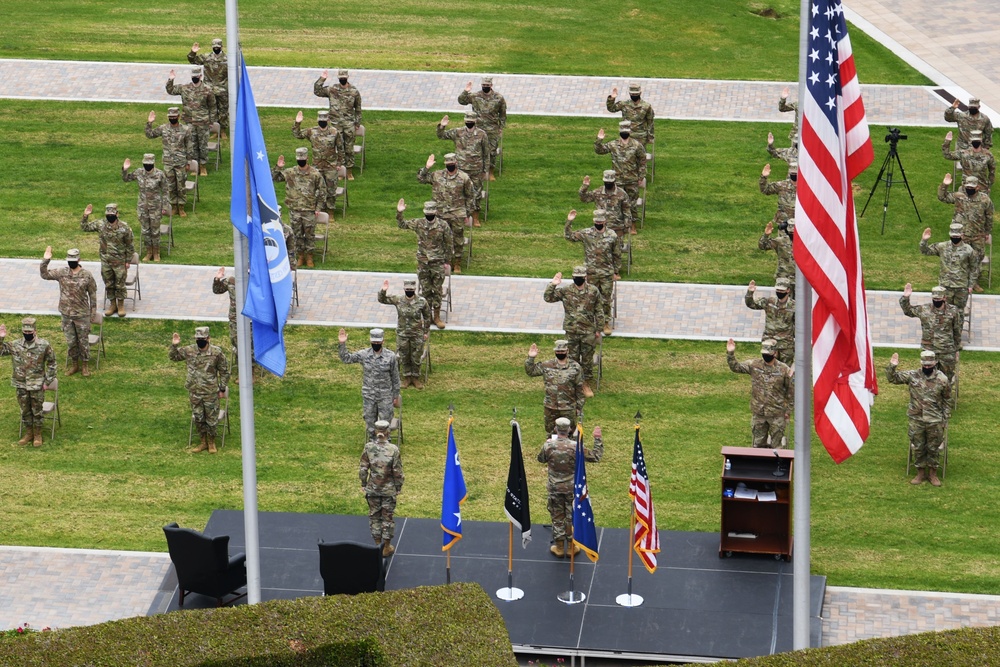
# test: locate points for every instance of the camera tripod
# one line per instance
(887, 171)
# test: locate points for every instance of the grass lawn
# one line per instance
(704, 216)
(117, 470)
(697, 40)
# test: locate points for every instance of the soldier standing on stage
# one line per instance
(434, 251)
(940, 327)
(583, 320)
(779, 318)
(33, 368)
(413, 323)
(117, 249)
(602, 256)
(929, 410)
(77, 306)
(207, 380)
(379, 377)
(772, 393)
(152, 201)
(178, 150)
(563, 380)
(381, 473)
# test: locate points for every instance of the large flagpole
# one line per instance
(244, 363)
(803, 406)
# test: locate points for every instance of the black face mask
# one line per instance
(173, 121)
(579, 280)
(343, 80)
(781, 295)
(938, 302)
(409, 293)
(195, 79)
(111, 217)
(217, 49)
(635, 98)
(561, 356)
(928, 370)
(376, 347)
(969, 192)
(768, 358)
(430, 216)
(956, 240)
(973, 111)
(28, 337)
(609, 186)
(451, 167)
(469, 124)
(202, 343)
(148, 167)
(301, 163)
(73, 265)
(323, 123)
(791, 235)
(624, 135)
(793, 177)
(977, 144)
(599, 227)
(487, 89)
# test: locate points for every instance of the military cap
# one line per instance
(409, 282)
(28, 325)
(975, 135)
(974, 102)
(970, 182)
(928, 358)
(562, 425)
(216, 42)
(634, 88)
(579, 271)
(173, 112)
(790, 225)
(381, 425)
(111, 208)
(471, 115)
(73, 255)
(561, 345)
(938, 292)
(600, 215)
(148, 158)
(201, 332)
(609, 175)
(782, 283)
(323, 114)
(376, 335)
(450, 158)
(793, 167)
(302, 153)
(487, 81)
(341, 72)
(430, 207)
(767, 346)
(955, 229)
(625, 125)
(196, 71)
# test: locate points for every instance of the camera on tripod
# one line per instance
(894, 136)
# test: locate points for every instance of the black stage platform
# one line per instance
(697, 607)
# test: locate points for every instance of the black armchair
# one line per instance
(203, 564)
(349, 568)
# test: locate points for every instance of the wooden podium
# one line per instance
(756, 502)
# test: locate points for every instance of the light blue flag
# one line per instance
(254, 212)
(454, 494)
(584, 528)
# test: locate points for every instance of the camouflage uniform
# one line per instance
(434, 250)
(559, 452)
(152, 200)
(958, 269)
(328, 154)
(602, 256)
(563, 389)
(381, 474)
(929, 410)
(639, 112)
(616, 205)
(305, 194)
(491, 108)
(785, 190)
(199, 106)
(975, 213)
(789, 155)
(117, 248)
(345, 111)
(207, 377)
(940, 331)
(968, 123)
(779, 322)
(582, 321)
(77, 305)
(178, 149)
(772, 393)
(781, 244)
(628, 157)
(784, 106)
(980, 164)
(228, 286)
(472, 149)
(413, 321)
(216, 69)
(33, 367)
(379, 381)
(456, 200)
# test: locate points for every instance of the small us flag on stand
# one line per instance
(646, 538)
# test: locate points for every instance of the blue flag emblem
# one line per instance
(453, 495)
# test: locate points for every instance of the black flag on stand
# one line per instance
(515, 503)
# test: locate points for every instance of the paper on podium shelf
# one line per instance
(746, 494)
(767, 496)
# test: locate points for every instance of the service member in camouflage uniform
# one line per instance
(178, 150)
(613, 200)
(223, 285)
(434, 252)
(563, 380)
(345, 111)
(33, 367)
(216, 70)
(198, 105)
(152, 201)
(381, 474)
(491, 109)
(379, 377)
(628, 157)
(472, 150)
(602, 255)
(453, 191)
(789, 155)
(583, 319)
(636, 110)
(413, 323)
(328, 152)
(940, 327)
(117, 249)
(559, 452)
(77, 306)
(969, 122)
(781, 244)
(976, 160)
(784, 106)
(772, 393)
(207, 380)
(305, 196)
(958, 265)
(929, 410)
(779, 318)
(784, 189)
(974, 209)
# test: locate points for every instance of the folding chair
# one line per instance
(446, 293)
(988, 260)
(359, 149)
(425, 360)
(342, 189)
(640, 203)
(599, 362)
(651, 159)
(396, 425)
(167, 230)
(132, 284)
(215, 143)
(484, 197)
(295, 286)
(323, 222)
(467, 245)
(223, 427)
(614, 304)
(499, 169)
(191, 183)
(626, 243)
(50, 409)
(96, 341)
(967, 313)
(942, 457)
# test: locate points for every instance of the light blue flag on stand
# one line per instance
(454, 494)
(254, 212)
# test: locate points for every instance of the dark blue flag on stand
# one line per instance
(254, 212)
(584, 528)
(453, 495)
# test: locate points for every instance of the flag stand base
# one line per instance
(629, 600)
(510, 594)
(571, 597)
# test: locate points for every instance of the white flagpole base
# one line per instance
(510, 594)
(571, 597)
(626, 600)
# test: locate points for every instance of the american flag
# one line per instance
(834, 148)
(646, 538)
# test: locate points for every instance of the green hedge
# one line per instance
(440, 625)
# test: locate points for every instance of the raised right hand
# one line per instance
(151, 117)
(766, 171)
(444, 121)
(927, 234)
(325, 74)
(126, 164)
(48, 253)
(895, 359)
(468, 89)
(752, 287)
(557, 279)
(342, 336)
(770, 138)
(221, 273)
(614, 92)
(533, 351)
(600, 134)
(171, 75)
(572, 216)
(195, 47)
(176, 338)
(3, 331)
(908, 289)
(730, 345)
(385, 285)
(586, 181)
(401, 206)
(89, 209)
(281, 161)
(948, 137)
(947, 178)
(784, 93)
(430, 161)
(769, 227)
(954, 105)
(299, 117)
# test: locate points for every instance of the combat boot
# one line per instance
(475, 219)
(309, 261)
(180, 211)
(919, 478)
(350, 174)
(932, 475)
(977, 289)
(558, 550)
(378, 540)
(404, 383)
(211, 445)
(156, 253)
(493, 178)
(203, 171)
(29, 434)
(149, 254)
(457, 268)
(608, 330)
(73, 369)
(200, 448)
(387, 549)
(111, 308)
(37, 442)
(121, 307)
(587, 391)
(417, 384)
(86, 369)
(299, 261)
(173, 209)
(438, 322)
